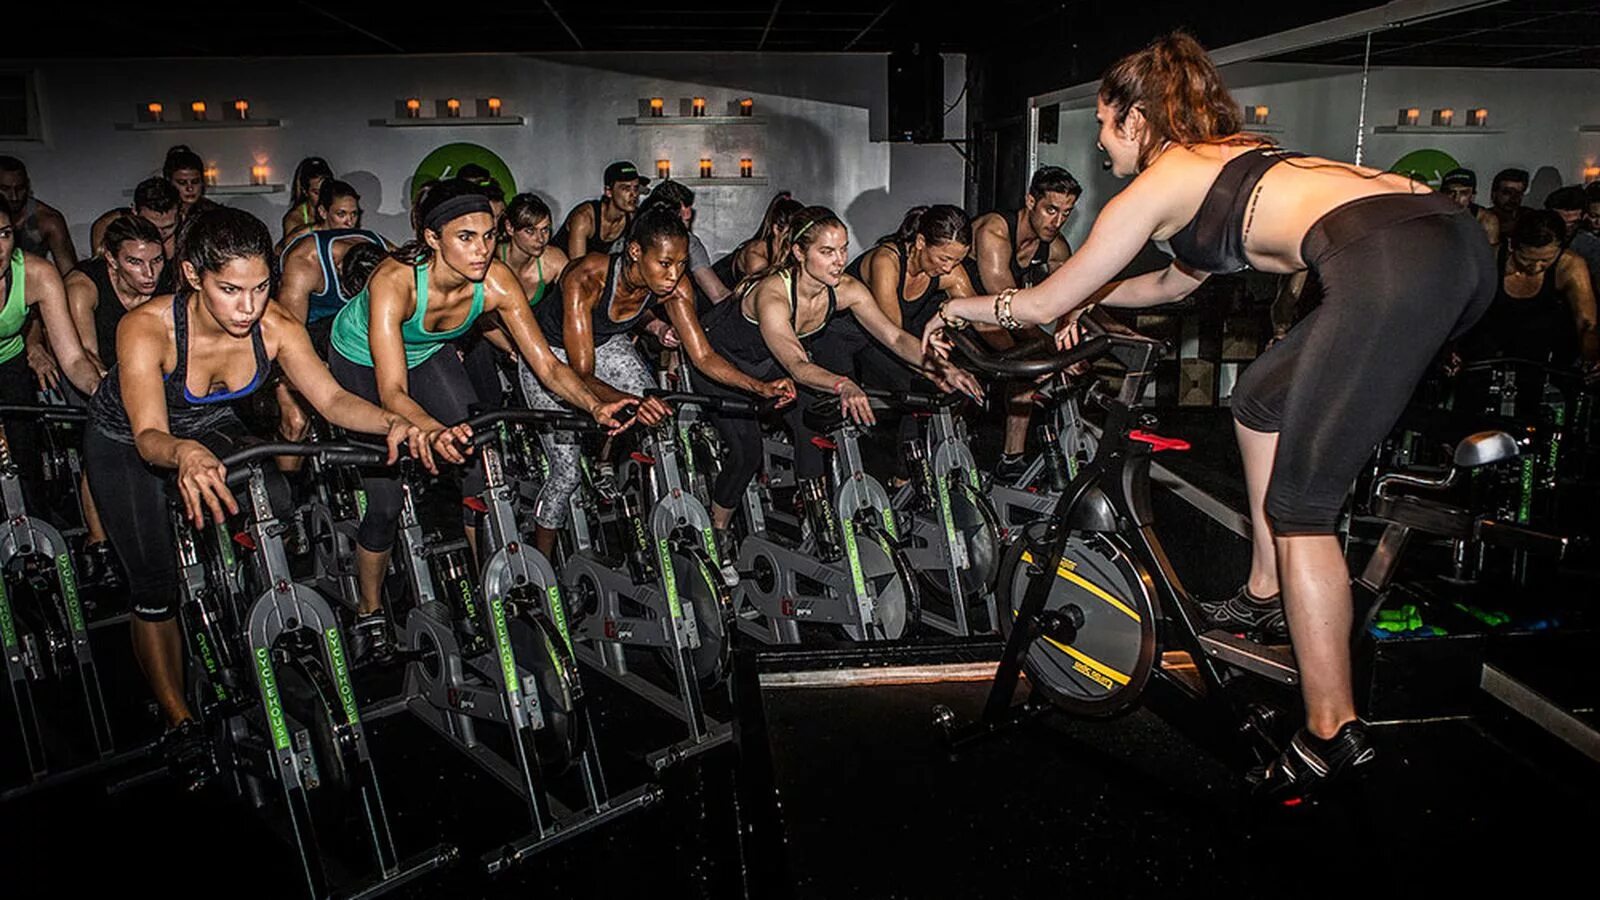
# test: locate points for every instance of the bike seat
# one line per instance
(1485, 448)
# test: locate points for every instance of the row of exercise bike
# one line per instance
(496, 642)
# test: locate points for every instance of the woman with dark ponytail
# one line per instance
(393, 344)
(183, 362)
(1404, 270)
(187, 172)
(308, 179)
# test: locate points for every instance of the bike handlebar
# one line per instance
(43, 412)
(239, 464)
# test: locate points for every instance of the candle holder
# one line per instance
(1410, 116)
(705, 167)
(241, 110)
(151, 112)
(1444, 118)
(663, 169)
(747, 107)
(1478, 118)
(658, 107)
(258, 174)
(1256, 115)
(413, 108)
(211, 175)
(1591, 173)
(197, 111)
(697, 107)
(747, 167)
(452, 108)
(492, 107)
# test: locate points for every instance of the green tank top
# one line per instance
(15, 312)
(351, 327)
(505, 257)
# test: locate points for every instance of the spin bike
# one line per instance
(1066, 443)
(270, 682)
(669, 593)
(849, 571)
(521, 679)
(42, 632)
(1090, 599)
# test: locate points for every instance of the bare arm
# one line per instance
(46, 290)
(82, 298)
(1168, 285)
(680, 310)
(883, 279)
(580, 225)
(712, 285)
(392, 299)
(854, 296)
(302, 275)
(579, 293)
(59, 239)
(994, 254)
(1572, 277)
(777, 331)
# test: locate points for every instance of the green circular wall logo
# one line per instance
(1426, 165)
(446, 161)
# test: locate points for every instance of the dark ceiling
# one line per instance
(1536, 34)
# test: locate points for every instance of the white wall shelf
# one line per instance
(449, 122)
(235, 190)
(735, 181)
(1589, 129)
(208, 125)
(660, 121)
(1435, 129)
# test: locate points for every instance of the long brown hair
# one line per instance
(1177, 88)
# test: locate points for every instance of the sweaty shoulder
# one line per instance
(851, 291)
(301, 252)
(501, 283)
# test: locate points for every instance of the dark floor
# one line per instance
(871, 804)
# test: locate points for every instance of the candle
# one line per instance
(413, 108)
(494, 106)
(258, 174)
(747, 106)
(657, 107)
(699, 104)
(747, 167)
(198, 107)
(1444, 117)
(242, 109)
(1258, 115)
(1478, 117)
(705, 167)
(155, 112)
(1591, 173)
(1410, 116)
(453, 106)
(211, 175)
(663, 168)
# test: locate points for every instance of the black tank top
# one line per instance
(188, 416)
(1537, 328)
(737, 336)
(1213, 241)
(108, 309)
(597, 244)
(914, 312)
(552, 315)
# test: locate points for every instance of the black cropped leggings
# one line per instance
(440, 386)
(1402, 274)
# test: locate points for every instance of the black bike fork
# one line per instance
(21, 690)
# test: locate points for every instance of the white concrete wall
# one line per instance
(824, 111)
(1317, 107)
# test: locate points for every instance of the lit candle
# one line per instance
(1444, 117)
(258, 174)
(242, 108)
(453, 106)
(1478, 117)
(699, 104)
(155, 112)
(705, 167)
(413, 108)
(747, 167)
(747, 106)
(211, 175)
(1591, 173)
(494, 107)
(657, 107)
(198, 107)
(663, 168)
(1260, 115)
(1410, 116)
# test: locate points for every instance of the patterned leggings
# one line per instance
(617, 364)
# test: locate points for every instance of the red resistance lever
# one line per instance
(1157, 442)
(475, 504)
(244, 540)
(822, 443)
(642, 459)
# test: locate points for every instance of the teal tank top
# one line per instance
(351, 327)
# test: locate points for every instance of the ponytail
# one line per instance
(1179, 92)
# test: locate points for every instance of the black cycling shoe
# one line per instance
(187, 751)
(1010, 468)
(1258, 617)
(1312, 765)
(369, 638)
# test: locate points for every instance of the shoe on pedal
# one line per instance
(1010, 468)
(187, 751)
(369, 638)
(1311, 765)
(1260, 618)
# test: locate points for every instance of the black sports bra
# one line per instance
(1213, 241)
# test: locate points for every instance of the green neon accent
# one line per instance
(502, 639)
(558, 615)
(361, 503)
(69, 591)
(8, 629)
(269, 696)
(854, 557)
(1525, 506)
(209, 661)
(688, 450)
(710, 540)
(469, 608)
(226, 540)
(341, 677)
(945, 511)
(889, 524)
(669, 580)
(972, 479)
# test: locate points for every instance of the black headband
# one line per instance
(455, 208)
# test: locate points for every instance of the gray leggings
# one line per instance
(617, 364)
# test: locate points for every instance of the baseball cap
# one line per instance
(624, 171)
(1462, 177)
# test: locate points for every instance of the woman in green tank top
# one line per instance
(525, 246)
(392, 345)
